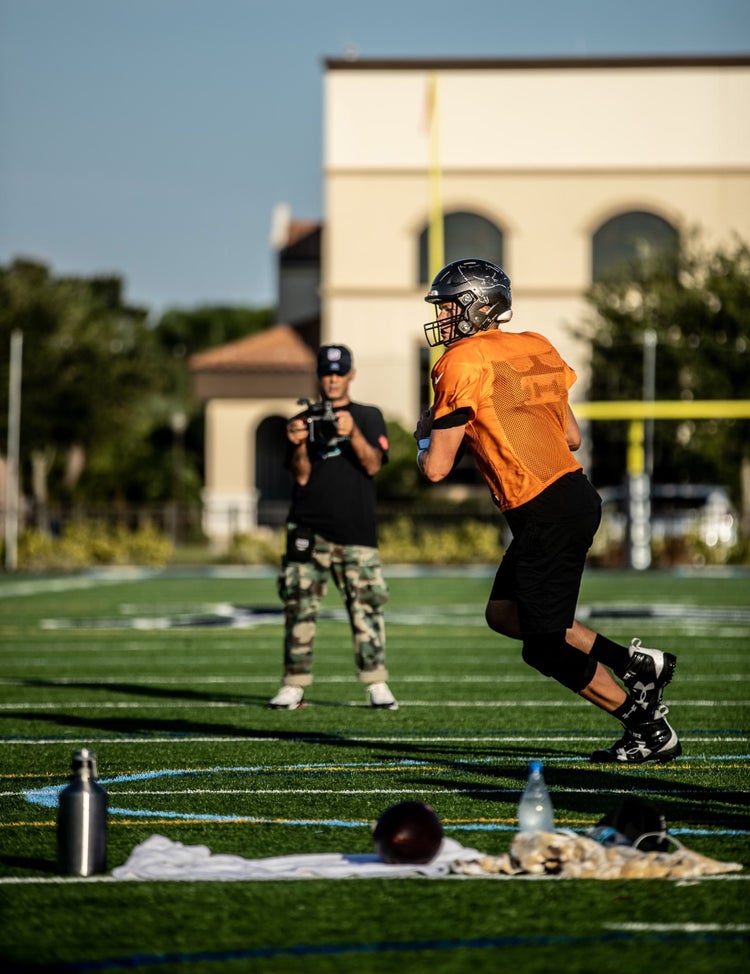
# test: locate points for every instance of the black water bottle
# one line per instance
(82, 820)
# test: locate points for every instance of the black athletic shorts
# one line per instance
(542, 568)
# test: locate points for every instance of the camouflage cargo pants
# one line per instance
(358, 575)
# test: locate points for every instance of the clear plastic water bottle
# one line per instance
(535, 812)
(82, 820)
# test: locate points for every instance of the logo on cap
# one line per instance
(334, 359)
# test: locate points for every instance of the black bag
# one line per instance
(640, 822)
(300, 543)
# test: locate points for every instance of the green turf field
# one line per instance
(166, 676)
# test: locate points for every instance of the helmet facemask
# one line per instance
(481, 294)
(451, 328)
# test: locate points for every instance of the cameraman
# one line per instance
(332, 530)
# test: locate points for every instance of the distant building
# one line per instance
(552, 168)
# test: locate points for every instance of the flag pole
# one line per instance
(436, 245)
(435, 233)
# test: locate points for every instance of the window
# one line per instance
(465, 235)
(272, 480)
(623, 239)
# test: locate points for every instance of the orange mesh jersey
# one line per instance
(515, 387)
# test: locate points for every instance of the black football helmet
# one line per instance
(480, 288)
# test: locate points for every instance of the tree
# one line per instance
(87, 364)
(181, 333)
(107, 411)
(698, 304)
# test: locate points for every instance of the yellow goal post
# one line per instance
(636, 412)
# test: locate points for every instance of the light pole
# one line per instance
(178, 422)
(650, 339)
(12, 491)
(640, 464)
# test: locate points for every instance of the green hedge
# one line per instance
(465, 542)
(403, 540)
(84, 544)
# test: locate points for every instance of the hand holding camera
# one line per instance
(324, 427)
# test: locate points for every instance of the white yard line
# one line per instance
(181, 681)
(680, 927)
(499, 738)
(134, 705)
(63, 880)
(438, 789)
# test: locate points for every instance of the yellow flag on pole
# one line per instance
(435, 239)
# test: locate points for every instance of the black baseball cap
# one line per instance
(334, 360)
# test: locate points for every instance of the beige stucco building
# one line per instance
(549, 167)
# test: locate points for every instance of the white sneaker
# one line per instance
(381, 697)
(288, 698)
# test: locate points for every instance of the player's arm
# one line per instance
(437, 461)
(440, 443)
(572, 431)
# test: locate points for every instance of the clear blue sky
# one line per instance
(153, 138)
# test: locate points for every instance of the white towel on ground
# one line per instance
(161, 858)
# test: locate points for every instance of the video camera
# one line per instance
(321, 422)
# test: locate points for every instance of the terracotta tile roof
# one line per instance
(277, 349)
(299, 229)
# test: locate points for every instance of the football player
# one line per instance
(505, 395)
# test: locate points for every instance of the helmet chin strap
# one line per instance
(466, 327)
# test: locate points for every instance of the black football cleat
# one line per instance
(654, 740)
(648, 673)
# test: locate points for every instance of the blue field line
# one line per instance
(47, 797)
(497, 827)
(134, 961)
(48, 794)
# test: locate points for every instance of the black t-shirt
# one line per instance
(338, 502)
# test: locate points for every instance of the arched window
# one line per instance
(272, 480)
(625, 238)
(464, 235)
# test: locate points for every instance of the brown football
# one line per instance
(408, 832)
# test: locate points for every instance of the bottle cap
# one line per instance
(535, 766)
(84, 760)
